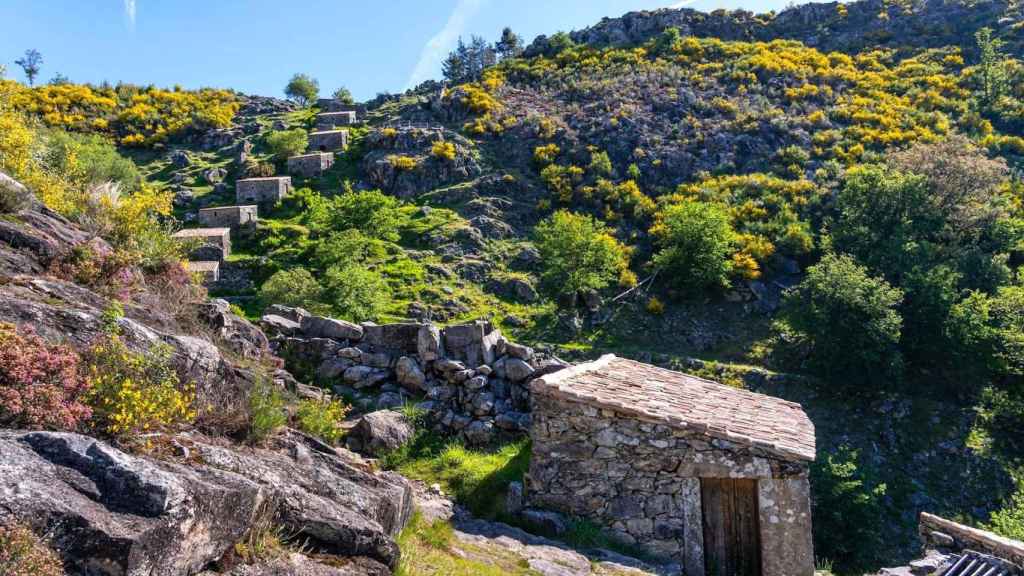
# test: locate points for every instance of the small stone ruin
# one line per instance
(214, 243)
(328, 140)
(311, 165)
(262, 190)
(208, 270)
(468, 378)
(234, 217)
(952, 548)
(329, 120)
(332, 105)
(710, 476)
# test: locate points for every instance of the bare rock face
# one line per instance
(111, 513)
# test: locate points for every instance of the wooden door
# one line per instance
(732, 539)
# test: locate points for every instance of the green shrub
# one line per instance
(266, 410)
(136, 392)
(1009, 521)
(89, 159)
(578, 253)
(987, 331)
(849, 319)
(696, 242)
(848, 511)
(356, 293)
(294, 287)
(322, 418)
(284, 144)
(372, 212)
(22, 553)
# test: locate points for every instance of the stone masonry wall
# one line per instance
(470, 380)
(640, 480)
(311, 165)
(950, 537)
(328, 140)
(228, 216)
(262, 190)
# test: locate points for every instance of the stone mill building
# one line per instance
(709, 475)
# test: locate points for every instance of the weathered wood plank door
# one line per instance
(732, 541)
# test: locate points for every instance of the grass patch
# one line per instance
(430, 548)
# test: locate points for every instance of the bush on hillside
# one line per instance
(849, 319)
(322, 418)
(578, 253)
(371, 212)
(696, 242)
(42, 386)
(88, 159)
(267, 412)
(136, 392)
(293, 287)
(355, 292)
(284, 144)
(987, 332)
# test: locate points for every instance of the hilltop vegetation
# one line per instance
(831, 192)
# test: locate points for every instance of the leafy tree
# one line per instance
(371, 212)
(559, 42)
(286, 143)
(849, 319)
(667, 41)
(303, 89)
(343, 95)
(578, 253)
(30, 64)
(294, 287)
(988, 331)
(696, 241)
(848, 510)
(356, 293)
(993, 69)
(510, 45)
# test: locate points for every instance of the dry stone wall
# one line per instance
(469, 379)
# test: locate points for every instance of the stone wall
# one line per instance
(332, 105)
(470, 380)
(328, 120)
(641, 481)
(262, 190)
(234, 217)
(949, 537)
(328, 140)
(311, 165)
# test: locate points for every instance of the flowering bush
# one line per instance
(23, 554)
(443, 150)
(135, 392)
(322, 418)
(41, 385)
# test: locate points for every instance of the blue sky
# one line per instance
(255, 45)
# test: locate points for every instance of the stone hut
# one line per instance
(328, 120)
(234, 217)
(711, 476)
(216, 241)
(311, 165)
(332, 105)
(210, 271)
(328, 140)
(262, 190)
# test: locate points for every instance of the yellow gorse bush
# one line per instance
(135, 392)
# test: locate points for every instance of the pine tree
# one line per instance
(509, 46)
(992, 67)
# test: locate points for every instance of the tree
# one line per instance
(510, 45)
(371, 212)
(454, 67)
(31, 63)
(578, 253)
(284, 144)
(849, 319)
(992, 67)
(303, 89)
(355, 292)
(294, 287)
(467, 62)
(696, 241)
(59, 80)
(343, 95)
(987, 332)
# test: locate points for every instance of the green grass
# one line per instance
(430, 549)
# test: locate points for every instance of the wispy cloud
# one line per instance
(677, 5)
(441, 43)
(129, 13)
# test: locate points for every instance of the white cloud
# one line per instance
(129, 12)
(677, 5)
(438, 47)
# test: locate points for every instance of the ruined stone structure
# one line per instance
(329, 120)
(474, 381)
(328, 140)
(948, 538)
(311, 165)
(215, 241)
(210, 271)
(234, 217)
(332, 105)
(262, 190)
(711, 476)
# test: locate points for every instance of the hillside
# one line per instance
(822, 205)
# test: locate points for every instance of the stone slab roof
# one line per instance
(202, 232)
(312, 155)
(264, 179)
(686, 402)
(202, 266)
(319, 132)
